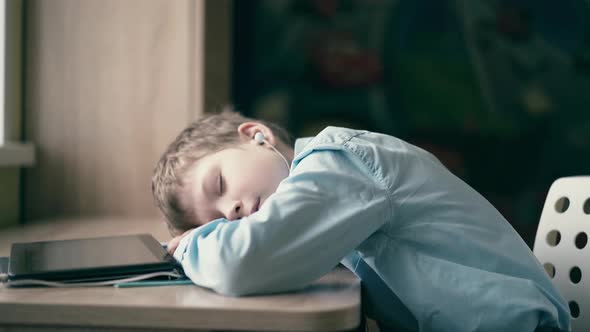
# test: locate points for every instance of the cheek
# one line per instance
(268, 175)
(275, 175)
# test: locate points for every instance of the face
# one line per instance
(233, 183)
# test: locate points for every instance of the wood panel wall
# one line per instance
(109, 84)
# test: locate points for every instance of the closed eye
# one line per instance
(220, 184)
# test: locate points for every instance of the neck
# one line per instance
(286, 151)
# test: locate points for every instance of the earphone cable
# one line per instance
(282, 157)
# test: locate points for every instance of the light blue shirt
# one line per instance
(433, 254)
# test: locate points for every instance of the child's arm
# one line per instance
(325, 209)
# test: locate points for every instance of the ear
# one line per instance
(247, 130)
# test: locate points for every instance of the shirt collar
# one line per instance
(300, 144)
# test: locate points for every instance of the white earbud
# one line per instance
(259, 138)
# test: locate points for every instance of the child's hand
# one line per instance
(173, 244)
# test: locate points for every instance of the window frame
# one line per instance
(3, 113)
(12, 151)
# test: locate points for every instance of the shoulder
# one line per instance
(386, 158)
(332, 159)
(336, 150)
(337, 135)
(331, 138)
(367, 145)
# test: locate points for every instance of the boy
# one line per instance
(260, 216)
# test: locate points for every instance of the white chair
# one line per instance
(561, 244)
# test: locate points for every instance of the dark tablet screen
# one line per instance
(79, 258)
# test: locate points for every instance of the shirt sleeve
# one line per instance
(329, 205)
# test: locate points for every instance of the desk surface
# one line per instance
(330, 303)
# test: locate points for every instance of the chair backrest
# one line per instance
(561, 244)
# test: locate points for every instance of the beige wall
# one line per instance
(109, 85)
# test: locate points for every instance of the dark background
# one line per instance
(498, 90)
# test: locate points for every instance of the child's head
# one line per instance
(215, 169)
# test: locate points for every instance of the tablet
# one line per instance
(89, 259)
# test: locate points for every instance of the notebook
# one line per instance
(91, 261)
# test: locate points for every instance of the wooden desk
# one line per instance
(332, 303)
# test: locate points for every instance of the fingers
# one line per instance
(173, 244)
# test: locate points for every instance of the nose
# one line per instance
(234, 211)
